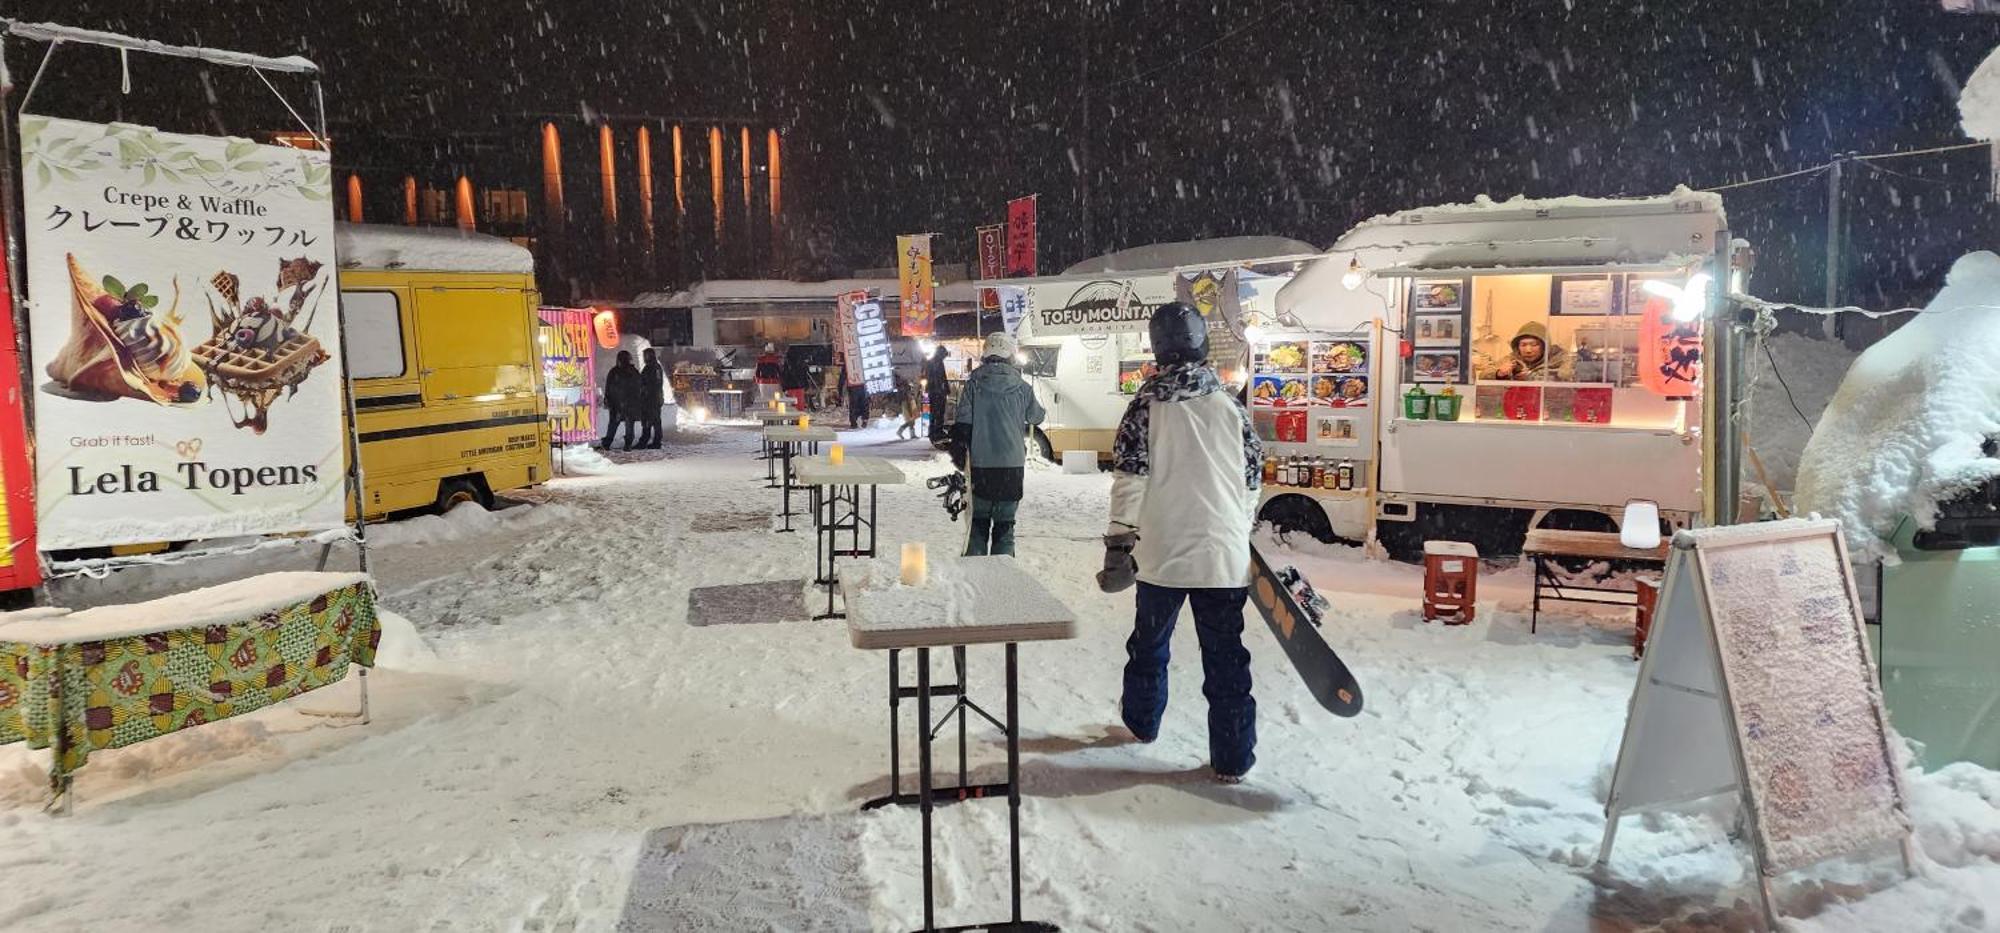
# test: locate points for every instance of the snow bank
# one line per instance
(432, 249)
(402, 649)
(1903, 434)
(581, 460)
(464, 523)
(1979, 101)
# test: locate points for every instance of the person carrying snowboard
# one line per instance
(1187, 466)
(989, 441)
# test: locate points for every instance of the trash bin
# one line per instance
(1445, 407)
(1417, 404)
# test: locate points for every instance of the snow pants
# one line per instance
(1225, 668)
(992, 527)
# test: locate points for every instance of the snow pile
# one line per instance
(402, 648)
(1812, 369)
(464, 523)
(582, 460)
(1904, 432)
(432, 249)
(1979, 101)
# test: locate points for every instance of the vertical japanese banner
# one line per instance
(992, 262)
(1013, 308)
(18, 567)
(914, 270)
(845, 340)
(184, 335)
(1021, 236)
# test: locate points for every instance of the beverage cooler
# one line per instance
(1311, 400)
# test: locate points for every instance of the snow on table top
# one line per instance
(430, 249)
(792, 432)
(1726, 535)
(964, 601)
(230, 602)
(863, 471)
(1903, 433)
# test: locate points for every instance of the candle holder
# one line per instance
(836, 454)
(916, 566)
(805, 421)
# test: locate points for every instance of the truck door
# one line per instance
(473, 346)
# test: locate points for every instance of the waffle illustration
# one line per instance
(257, 352)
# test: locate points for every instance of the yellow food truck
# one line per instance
(440, 329)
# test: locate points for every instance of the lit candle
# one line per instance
(805, 421)
(836, 454)
(915, 571)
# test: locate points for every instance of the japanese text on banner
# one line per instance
(1021, 236)
(992, 262)
(913, 255)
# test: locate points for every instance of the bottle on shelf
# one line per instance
(1271, 470)
(1318, 477)
(1331, 479)
(1346, 474)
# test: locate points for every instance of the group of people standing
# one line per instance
(634, 396)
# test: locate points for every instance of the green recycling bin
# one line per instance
(1417, 404)
(1445, 407)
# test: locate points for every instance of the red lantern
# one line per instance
(605, 323)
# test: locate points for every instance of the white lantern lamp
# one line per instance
(1640, 527)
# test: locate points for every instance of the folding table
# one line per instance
(832, 487)
(1546, 544)
(767, 417)
(965, 601)
(790, 440)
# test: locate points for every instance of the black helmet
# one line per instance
(1179, 333)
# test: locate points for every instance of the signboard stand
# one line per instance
(1756, 680)
(260, 66)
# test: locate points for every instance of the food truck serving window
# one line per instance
(1559, 348)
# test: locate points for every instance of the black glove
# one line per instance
(1120, 570)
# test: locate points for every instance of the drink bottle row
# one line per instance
(1309, 472)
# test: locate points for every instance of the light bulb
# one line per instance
(1253, 334)
(1354, 276)
(1693, 298)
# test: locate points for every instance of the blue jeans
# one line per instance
(1225, 668)
(992, 527)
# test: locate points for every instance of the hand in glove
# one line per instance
(1120, 570)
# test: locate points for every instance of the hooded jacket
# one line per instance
(995, 410)
(1188, 470)
(1554, 366)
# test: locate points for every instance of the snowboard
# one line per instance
(1293, 611)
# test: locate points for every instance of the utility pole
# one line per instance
(1832, 323)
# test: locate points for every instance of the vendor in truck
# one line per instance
(1532, 359)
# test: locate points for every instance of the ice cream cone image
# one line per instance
(121, 345)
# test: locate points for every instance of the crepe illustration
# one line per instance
(121, 345)
(257, 350)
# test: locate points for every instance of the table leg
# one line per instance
(924, 775)
(958, 663)
(895, 734)
(1535, 613)
(874, 492)
(785, 482)
(1014, 776)
(770, 459)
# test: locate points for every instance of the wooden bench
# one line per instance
(119, 675)
(1546, 544)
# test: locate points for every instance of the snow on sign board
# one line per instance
(184, 340)
(1757, 680)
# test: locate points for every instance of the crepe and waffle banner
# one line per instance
(185, 330)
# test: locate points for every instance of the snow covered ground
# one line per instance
(558, 718)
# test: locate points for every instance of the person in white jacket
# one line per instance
(1188, 467)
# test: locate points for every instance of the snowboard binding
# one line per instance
(953, 495)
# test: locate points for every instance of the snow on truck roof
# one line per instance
(1545, 235)
(429, 249)
(1161, 257)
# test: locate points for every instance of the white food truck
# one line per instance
(1567, 333)
(1083, 332)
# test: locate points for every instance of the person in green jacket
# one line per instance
(989, 440)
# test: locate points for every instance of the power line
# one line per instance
(1760, 181)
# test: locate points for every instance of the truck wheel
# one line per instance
(1043, 447)
(459, 490)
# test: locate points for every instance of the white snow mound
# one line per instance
(1903, 433)
(464, 523)
(1979, 101)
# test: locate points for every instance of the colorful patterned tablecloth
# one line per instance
(91, 695)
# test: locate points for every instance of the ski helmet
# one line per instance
(1179, 334)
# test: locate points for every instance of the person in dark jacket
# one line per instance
(652, 397)
(796, 377)
(937, 387)
(989, 440)
(623, 397)
(857, 404)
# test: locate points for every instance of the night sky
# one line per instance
(1208, 118)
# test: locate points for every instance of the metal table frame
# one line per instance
(786, 451)
(929, 796)
(1550, 587)
(828, 523)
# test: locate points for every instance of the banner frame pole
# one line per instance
(354, 472)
